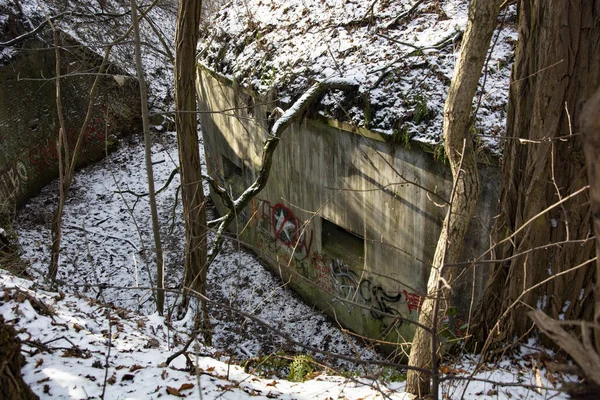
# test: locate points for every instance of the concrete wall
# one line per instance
(325, 178)
(28, 118)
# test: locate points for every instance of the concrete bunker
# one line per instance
(339, 220)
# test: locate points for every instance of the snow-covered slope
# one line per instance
(79, 348)
(106, 236)
(402, 52)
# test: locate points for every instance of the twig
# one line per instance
(406, 13)
(24, 36)
(105, 235)
(518, 299)
(106, 364)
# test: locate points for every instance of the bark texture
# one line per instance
(556, 69)
(483, 16)
(590, 127)
(12, 386)
(186, 39)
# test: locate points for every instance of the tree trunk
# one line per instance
(63, 160)
(556, 69)
(12, 386)
(160, 278)
(186, 39)
(458, 146)
(590, 128)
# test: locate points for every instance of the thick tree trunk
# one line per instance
(590, 128)
(458, 145)
(12, 386)
(556, 69)
(186, 39)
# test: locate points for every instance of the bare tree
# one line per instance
(67, 158)
(458, 145)
(186, 39)
(160, 279)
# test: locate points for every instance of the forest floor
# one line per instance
(101, 331)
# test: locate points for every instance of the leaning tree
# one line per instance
(458, 146)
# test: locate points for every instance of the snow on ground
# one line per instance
(95, 24)
(106, 257)
(404, 64)
(74, 344)
(106, 241)
(106, 260)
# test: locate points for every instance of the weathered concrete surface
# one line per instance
(29, 123)
(321, 176)
(28, 118)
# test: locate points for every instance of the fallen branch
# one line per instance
(405, 14)
(582, 352)
(289, 116)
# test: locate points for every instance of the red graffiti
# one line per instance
(280, 221)
(46, 155)
(413, 301)
(289, 230)
(322, 270)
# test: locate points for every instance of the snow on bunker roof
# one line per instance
(401, 52)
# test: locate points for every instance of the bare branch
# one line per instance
(24, 36)
(291, 115)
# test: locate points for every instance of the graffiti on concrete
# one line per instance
(46, 155)
(288, 241)
(413, 301)
(351, 288)
(280, 222)
(12, 179)
(321, 272)
(41, 158)
(345, 284)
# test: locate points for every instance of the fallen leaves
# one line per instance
(177, 392)
(77, 327)
(112, 380)
(152, 343)
(135, 367)
(76, 352)
(128, 377)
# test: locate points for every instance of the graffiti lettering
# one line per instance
(11, 179)
(364, 291)
(322, 273)
(284, 237)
